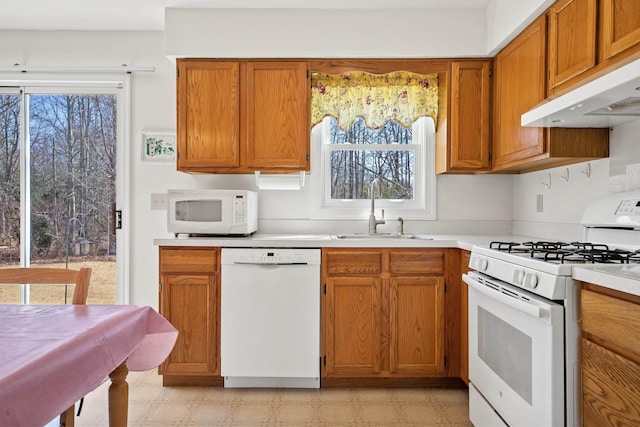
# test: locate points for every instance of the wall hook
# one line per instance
(587, 170)
(548, 183)
(565, 175)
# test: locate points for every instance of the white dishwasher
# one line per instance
(270, 317)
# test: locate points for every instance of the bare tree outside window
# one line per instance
(72, 147)
(366, 156)
(10, 175)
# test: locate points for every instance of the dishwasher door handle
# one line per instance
(268, 263)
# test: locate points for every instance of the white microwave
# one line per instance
(213, 212)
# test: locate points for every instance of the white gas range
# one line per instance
(524, 318)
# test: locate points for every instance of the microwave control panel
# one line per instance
(239, 209)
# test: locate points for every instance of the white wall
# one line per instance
(152, 107)
(507, 18)
(322, 33)
(565, 201)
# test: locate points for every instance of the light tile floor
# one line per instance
(150, 404)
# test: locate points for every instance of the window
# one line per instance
(374, 126)
(62, 177)
(348, 162)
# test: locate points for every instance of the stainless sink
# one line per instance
(385, 236)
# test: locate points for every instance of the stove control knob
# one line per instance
(478, 263)
(518, 277)
(530, 280)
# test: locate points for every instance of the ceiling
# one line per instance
(148, 15)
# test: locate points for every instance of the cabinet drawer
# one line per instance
(422, 261)
(353, 262)
(188, 260)
(614, 322)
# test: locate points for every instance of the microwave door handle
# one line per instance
(530, 309)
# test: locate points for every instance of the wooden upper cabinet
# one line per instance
(242, 116)
(619, 27)
(278, 114)
(520, 71)
(572, 40)
(462, 137)
(587, 38)
(519, 85)
(208, 102)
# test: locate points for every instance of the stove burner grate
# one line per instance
(573, 252)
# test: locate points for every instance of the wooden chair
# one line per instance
(52, 276)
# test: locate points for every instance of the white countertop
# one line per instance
(330, 241)
(621, 277)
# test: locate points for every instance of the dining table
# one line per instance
(53, 355)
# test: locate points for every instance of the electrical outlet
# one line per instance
(539, 207)
(158, 201)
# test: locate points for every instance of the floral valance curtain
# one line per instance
(400, 95)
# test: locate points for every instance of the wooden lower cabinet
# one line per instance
(610, 357)
(416, 321)
(352, 325)
(190, 300)
(383, 317)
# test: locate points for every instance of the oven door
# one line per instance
(516, 355)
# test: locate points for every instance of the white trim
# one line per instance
(17, 68)
(423, 208)
(123, 173)
(25, 191)
(51, 86)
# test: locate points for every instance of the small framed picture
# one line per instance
(158, 146)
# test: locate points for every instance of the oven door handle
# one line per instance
(530, 309)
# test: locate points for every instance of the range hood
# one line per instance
(605, 102)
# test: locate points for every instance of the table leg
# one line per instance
(67, 418)
(119, 396)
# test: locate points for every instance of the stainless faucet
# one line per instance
(373, 222)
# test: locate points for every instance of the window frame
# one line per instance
(422, 207)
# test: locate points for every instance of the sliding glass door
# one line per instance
(58, 168)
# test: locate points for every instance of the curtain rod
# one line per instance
(124, 68)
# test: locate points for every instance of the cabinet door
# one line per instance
(417, 330)
(611, 384)
(520, 75)
(619, 26)
(190, 303)
(352, 326)
(208, 105)
(572, 39)
(278, 117)
(470, 104)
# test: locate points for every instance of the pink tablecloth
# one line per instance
(52, 355)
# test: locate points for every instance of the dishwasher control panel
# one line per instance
(270, 256)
